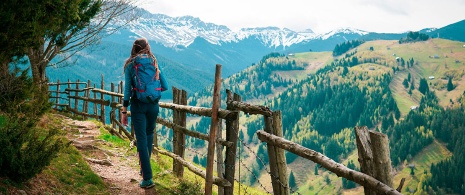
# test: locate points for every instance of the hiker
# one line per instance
(143, 113)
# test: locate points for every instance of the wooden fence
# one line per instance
(89, 101)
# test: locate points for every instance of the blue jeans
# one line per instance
(144, 117)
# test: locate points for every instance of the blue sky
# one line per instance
(319, 15)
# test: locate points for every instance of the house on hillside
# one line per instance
(431, 77)
(413, 107)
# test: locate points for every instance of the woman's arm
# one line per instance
(164, 84)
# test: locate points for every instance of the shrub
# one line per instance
(25, 149)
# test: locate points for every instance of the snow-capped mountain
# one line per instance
(182, 31)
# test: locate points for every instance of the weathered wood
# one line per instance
(179, 139)
(213, 131)
(219, 156)
(69, 99)
(201, 111)
(191, 133)
(339, 169)
(251, 109)
(102, 91)
(232, 133)
(216, 180)
(79, 90)
(102, 107)
(76, 102)
(365, 154)
(113, 113)
(283, 179)
(93, 100)
(381, 158)
(67, 83)
(272, 157)
(95, 105)
(100, 162)
(57, 100)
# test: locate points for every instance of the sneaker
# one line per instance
(147, 184)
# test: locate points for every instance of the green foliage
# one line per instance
(346, 46)
(26, 149)
(347, 184)
(414, 37)
(292, 182)
(450, 85)
(191, 188)
(423, 88)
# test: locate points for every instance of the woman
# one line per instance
(143, 115)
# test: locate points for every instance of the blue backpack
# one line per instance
(146, 81)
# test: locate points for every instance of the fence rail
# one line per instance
(86, 100)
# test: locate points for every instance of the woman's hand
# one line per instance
(124, 116)
(124, 119)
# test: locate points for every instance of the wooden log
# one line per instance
(179, 139)
(102, 107)
(201, 111)
(381, 158)
(283, 179)
(272, 157)
(339, 169)
(102, 91)
(57, 100)
(219, 156)
(216, 180)
(79, 90)
(95, 105)
(67, 83)
(76, 102)
(213, 131)
(365, 154)
(251, 109)
(232, 133)
(93, 100)
(191, 133)
(100, 162)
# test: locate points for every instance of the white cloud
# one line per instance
(318, 15)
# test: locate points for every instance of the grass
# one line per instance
(68, 173)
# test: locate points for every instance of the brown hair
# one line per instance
(141, 46)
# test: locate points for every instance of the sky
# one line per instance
(388, 16)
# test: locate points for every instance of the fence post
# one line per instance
(76, 102)
(113, 124)
(102, 107)
(57, 101)
(272, 156)
(232, 133)
(374, 156)
(179, 139)
(95, 105)
(280, 157)
(213, 131)
(69, 99)
(86, 103)
(219, 156)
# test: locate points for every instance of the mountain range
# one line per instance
(190, 48)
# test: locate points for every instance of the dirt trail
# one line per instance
(116, 166)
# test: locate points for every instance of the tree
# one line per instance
(21, 22)
(292, 182)
(450, 85)
(423, 88)
(82, 28)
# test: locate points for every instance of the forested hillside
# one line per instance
(398, 89)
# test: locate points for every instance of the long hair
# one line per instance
(140, 46)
